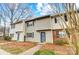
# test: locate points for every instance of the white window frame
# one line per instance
(30, 23)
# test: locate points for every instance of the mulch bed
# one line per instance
(59, 49)
(19, 44)
(3, 41)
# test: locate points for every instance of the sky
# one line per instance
(40, 9)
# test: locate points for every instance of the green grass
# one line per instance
(44, 52)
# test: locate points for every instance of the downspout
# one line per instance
(51, 28)
(24, 30)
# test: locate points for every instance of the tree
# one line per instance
(3, 18)
(73, 22)
(13, 12)
(74, 25)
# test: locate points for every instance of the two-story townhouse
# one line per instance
(37, 29)
(44, 29)
(17, 30)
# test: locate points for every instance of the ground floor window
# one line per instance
(11, 35)
(61, 34)
(30, 34)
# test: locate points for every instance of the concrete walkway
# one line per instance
(2, 52)
(32, 50)
(4, 43)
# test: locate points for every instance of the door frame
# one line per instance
(18, 35)
(42, 39)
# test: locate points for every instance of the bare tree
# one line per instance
(73, 22)
(74, 25)
(3, 18)
(15, 11)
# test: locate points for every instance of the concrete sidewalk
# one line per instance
(2, 52)
(32, 50)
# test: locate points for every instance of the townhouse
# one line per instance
(44, 29)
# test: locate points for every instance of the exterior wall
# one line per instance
(60, 23)
(49, 37)
(35, 39)
(21, 37)
(39, 25)
(42, 24)
(1, 34)
(31, 29)
(12, 31)
(18, 27)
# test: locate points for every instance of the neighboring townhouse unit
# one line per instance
(44, 29)
(1, 34)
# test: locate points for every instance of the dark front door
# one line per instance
(43, 36)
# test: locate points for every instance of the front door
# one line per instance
(43, 37)
(18, 36)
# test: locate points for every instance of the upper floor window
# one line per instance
(13, 26)
(65, 17)
(55, 20)
(30, 24)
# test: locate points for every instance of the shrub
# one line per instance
(8, 38)
(61, 42)
(44, 52)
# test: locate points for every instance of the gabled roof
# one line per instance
(37, 18)
(32, 19)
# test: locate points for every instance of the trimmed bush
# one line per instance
(60, 42)
(44, 52)
(8, 38)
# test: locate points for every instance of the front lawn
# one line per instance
(44, 52)
(17, 47)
